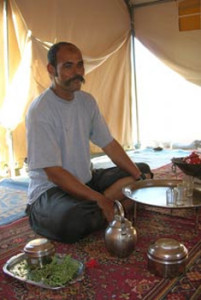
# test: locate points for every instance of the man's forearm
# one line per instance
(121, 159)
(69, 183)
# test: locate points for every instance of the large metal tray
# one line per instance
(153, 193)
(17, 259)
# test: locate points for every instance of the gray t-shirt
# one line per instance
(58, 134)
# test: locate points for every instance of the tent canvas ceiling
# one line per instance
(102, 30)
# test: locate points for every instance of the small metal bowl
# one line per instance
(167, 257)
(39, 252)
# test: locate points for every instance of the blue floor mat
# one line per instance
(155, 159)
(13, 199)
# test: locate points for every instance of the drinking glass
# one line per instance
(170, 196)
(188, 182)
(180, 191)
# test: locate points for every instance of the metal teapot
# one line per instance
(120, 235)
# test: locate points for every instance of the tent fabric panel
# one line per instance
(2, 55)
(157, 27)
(117, 112)
(94, 26)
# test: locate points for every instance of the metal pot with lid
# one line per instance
(120, 235)
(39, 252)
(167, 257)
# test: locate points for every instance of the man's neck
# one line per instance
(68, 96)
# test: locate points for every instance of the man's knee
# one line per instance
(145, 168)
(70, 225)
(80, 223)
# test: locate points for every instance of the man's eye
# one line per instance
(68, 66)
(80, 65)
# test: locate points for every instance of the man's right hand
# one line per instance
(69, 183)
(107, 207)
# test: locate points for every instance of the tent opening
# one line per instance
(168, 105)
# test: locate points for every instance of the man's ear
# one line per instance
(51, 70)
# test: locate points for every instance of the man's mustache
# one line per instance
(77, 77)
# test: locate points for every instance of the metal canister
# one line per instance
(39, 252)
(167, 257)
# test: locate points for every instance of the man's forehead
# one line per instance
(69, 48)
(69, 52)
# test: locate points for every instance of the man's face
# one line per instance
(69, 71)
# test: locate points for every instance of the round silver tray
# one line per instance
(153, 192)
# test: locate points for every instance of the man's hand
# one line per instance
(120, 158)
(107, 207)
(73, 186)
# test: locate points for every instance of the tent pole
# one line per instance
(9, 136)
(135, 108)
(149, 3)
(5, 44)
(9, 139)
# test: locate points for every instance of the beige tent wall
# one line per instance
(2, 82)
(9, 61)
(111, 103)
(2, 56)
(102, 31)
(157, 27)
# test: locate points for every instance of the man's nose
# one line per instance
(79, 70)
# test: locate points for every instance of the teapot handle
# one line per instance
(118, 209)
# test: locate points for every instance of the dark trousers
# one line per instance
(61, 217)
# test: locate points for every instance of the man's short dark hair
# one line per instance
(52, 53)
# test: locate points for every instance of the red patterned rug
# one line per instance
(109, 277)
(112, 278)
(168, 172)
